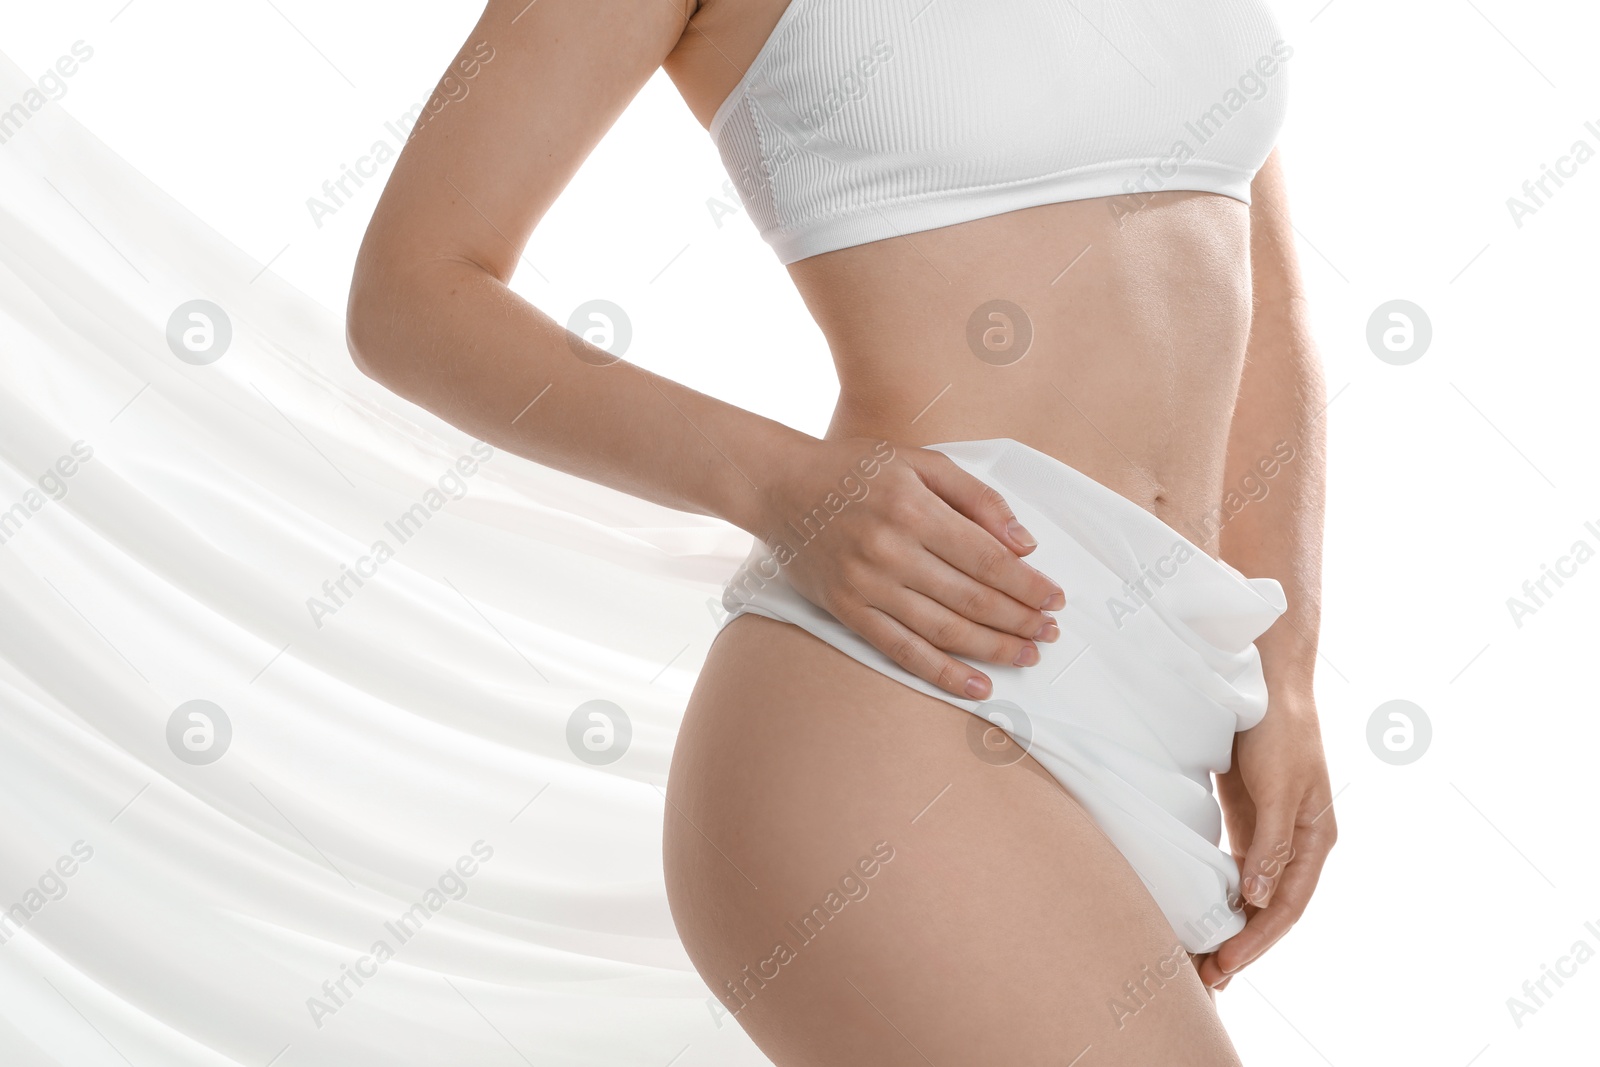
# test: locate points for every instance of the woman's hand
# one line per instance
(913, 553)
(1279, 808)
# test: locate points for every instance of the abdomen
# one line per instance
(1127, 321)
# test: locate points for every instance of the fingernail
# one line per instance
(1027, 657)
(1020, 535)
(1048, 632)
(977, 688)
(1054, 602)
(1255, 890)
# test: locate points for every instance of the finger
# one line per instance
(1211, 972)
(1210, 975)
(895, 640)
(1239, 815)
(974, 553)
(1271, 848)
(958, 635)
(982, 604)
(976, 499)
(1295, 886)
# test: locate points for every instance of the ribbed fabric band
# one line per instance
(861, 120)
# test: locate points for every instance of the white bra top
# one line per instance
(861, 120)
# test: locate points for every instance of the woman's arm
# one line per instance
(1278, 443)
(431, 315)
(432, 318)
(1276, 795)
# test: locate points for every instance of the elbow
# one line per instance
(366, 310)
(358, 342)
(356, 348)
(358, 339)
(395, 299)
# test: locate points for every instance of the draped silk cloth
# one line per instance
(1136, 705)
(412, 761)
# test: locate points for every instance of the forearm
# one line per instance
(1277, 448)
(454, 339)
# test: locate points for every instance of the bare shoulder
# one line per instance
(528, 95)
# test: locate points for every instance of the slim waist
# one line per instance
(1174, 480)
(1122, 557)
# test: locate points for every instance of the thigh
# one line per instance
(859, 887)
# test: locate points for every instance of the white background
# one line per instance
(1452, 480)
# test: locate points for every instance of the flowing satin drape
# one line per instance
(402, 765)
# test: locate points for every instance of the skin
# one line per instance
(1170, 357)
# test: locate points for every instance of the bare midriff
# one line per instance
(1112, 341)
(1108, 333)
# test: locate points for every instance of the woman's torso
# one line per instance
(1138, 308)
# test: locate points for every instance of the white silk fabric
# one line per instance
(397, 768)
